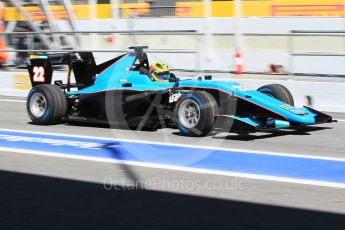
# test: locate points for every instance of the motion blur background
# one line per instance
(296, 36)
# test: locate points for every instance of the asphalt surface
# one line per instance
(61, 192)
(321, 140)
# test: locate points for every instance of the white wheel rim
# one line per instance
(189, 113)
(38, 105)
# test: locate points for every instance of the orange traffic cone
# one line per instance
(238, 63)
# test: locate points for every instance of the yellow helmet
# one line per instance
(160, 71)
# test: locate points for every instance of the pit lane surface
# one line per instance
(322, 140)
(326, 141)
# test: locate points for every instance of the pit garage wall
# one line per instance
(266, 41)
(326, 96)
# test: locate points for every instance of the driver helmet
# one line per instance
(160, 71)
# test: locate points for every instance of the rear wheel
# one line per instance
(279, 92)
(195, 113)
(46, 104)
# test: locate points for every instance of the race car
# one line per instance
(122, 92)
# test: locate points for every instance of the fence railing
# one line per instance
(289, 45)
(193, 53)
(328, 39)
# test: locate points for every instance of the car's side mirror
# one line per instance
(208, 77)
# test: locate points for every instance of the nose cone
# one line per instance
(308, 119)
(304, 117)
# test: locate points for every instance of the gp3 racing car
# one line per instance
(122, 92)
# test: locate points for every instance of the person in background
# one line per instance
(3, 56)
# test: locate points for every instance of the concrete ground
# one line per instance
(40, 191)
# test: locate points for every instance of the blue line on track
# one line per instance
(228, 161)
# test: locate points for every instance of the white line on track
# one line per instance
(13, 100)
(179, 168)
(182, 145)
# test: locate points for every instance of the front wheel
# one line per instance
(279, 92)
(195, 113)
(46, 104)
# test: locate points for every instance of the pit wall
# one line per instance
(265, 41)
(326, 96)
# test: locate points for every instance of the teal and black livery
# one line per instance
(122, 92)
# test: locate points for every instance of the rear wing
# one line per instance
(82, 64)
(40, 70)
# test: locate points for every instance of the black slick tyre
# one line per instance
(195, 113)
(279, 92)
(46, 104)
